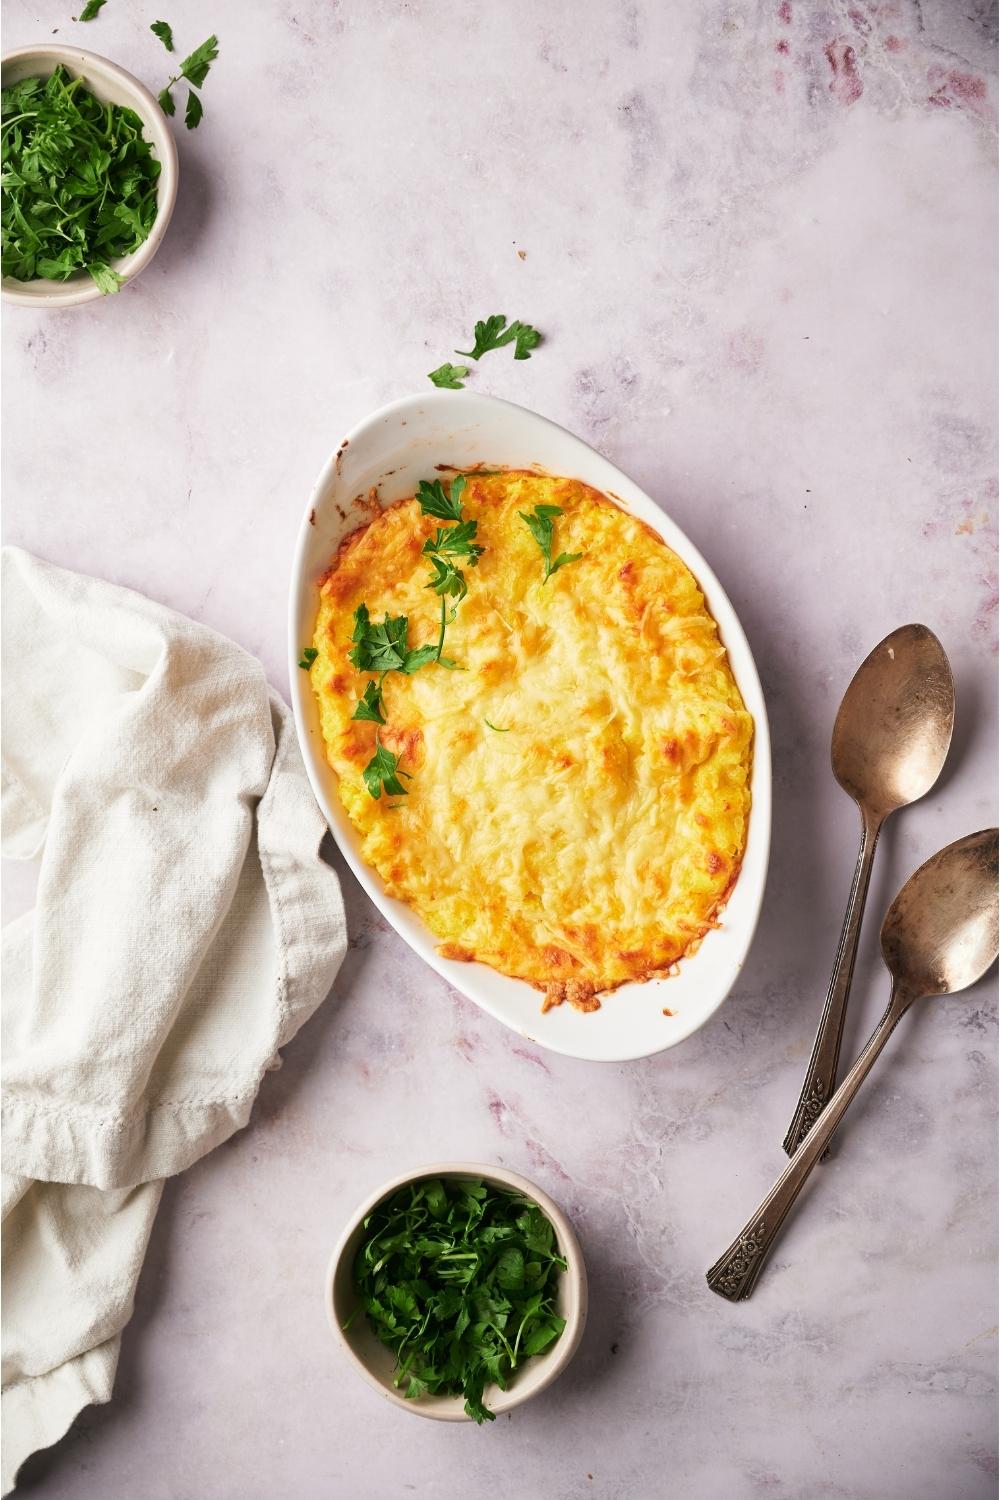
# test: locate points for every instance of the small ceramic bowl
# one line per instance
(112, 85)
(376, 1363)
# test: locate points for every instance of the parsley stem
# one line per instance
(28, 114)
(443, 625)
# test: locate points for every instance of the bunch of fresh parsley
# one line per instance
(458, 1278)
(78, 182)
(490, 333)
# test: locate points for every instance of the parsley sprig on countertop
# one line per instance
(195, 69)
(79, 181)
(449, 377)
(163, 31)
(458, 1278)
(493, 332)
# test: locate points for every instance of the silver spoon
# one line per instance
(940, 935)
(890, 741)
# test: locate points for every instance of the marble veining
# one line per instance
(760, 238)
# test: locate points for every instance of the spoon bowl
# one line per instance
(941, 933)
(894, 727)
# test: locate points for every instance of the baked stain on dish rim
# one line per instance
(408, 437)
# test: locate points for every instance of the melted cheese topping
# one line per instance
(592, 836)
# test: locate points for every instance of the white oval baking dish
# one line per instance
(390, 452)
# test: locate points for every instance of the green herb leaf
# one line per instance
(495, 727)
(456, 540)
(540, 524)
(541, 1337)
(488, 335)
(459, 1280)
(106, 278)
(562, 560)
(378, 648)
(383, 647)
(434, 501)
(163, 31)
(61, 266)
(193, 110)
(510, 1270)
(536, 1230)
(165, 100)
(195, 67)
(449, 377)
(381, 775)
(494, 332)
(526, 338)
(90, 10)
(414, 660)
(309, 655)
(448, 581)
(370, 706)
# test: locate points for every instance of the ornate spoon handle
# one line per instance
(735, 1273)
(821, 1074)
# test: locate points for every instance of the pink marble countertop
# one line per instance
(760, 240)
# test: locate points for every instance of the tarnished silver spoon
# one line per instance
(890, 740)
(939, 936)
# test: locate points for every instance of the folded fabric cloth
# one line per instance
(185, 927)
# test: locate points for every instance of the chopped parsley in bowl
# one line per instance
(89, 176)
(459, 1291)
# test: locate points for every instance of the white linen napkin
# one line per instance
(185, 927)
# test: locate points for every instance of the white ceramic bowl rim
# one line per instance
(104, 77)
(541, 1371)
(390, 450)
